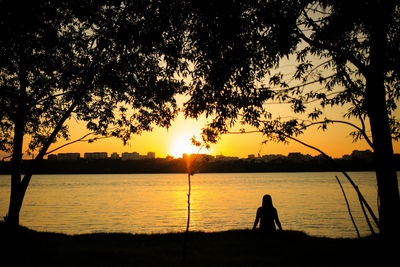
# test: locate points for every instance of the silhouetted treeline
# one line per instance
(178, 166)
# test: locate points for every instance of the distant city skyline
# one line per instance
(152, 155)
(336, 142)
(101, 155)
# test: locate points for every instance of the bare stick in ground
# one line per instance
(348, 207)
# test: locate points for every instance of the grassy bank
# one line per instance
(230, 248)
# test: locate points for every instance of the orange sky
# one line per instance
(336, 141)
(176, 140)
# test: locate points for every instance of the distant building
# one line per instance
(130, 156)
(251, 156)
(151, 155)
(269, 157)
(52, 157)
(205, 157)
(68, 156)
(114, 155)
(367, 155)
(95, 155)
(295, 155)
(298, 156)
(208, 157)
(320, 157)
(224, 158)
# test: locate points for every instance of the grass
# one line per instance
(230, 248)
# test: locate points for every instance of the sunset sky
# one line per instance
(176, 140)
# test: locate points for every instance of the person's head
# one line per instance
(267, 201)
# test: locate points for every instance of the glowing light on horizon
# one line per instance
(183, 145)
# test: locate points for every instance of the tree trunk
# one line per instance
(18, 186)
(16, 198)
(388, 191)
(12, 217)
(386, 176)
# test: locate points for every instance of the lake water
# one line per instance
(157, 203)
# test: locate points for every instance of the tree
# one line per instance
(343, 59)
(193, 162)
(107, 63)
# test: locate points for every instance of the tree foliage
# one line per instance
(346, 55)
(107, 63)
(238, 46)
(109, 59)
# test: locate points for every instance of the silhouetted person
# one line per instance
(267, 215)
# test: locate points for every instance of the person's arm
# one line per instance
(257, 219)
(278, 223)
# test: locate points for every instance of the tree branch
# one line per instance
(362, 131)
(25, 181)
(82, 139)
(303, 84)
(348, 207)
(351, 58)
(318, 66)
(6, 157)
(360, 196)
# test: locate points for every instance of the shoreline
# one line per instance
(227, 248)
(110, 166)
(225, 172)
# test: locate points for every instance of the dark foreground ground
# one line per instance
(25, 247)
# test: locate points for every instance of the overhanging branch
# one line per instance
(362, 200)
(364, 134)
(82, 139)
(351, 58)
(25, 181)
(360, 196)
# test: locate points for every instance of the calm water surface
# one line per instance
(157, 203)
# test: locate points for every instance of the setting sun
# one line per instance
(183, 144)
